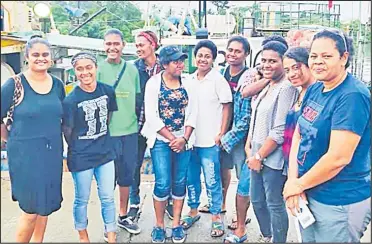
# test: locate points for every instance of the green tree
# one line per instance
(61, 18)
(124, 16)
(239, 13)
(221, 6)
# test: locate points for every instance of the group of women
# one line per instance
(297, 126)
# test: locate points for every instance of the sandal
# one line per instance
(232, 238)
(234, 224)
(188, 221)
(205, 209)
(218, 229)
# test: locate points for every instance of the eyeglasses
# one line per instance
(338, 33)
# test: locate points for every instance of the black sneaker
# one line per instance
(169, 211)
(133, 212)
(128, 224)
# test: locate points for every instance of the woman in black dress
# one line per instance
(34, 142)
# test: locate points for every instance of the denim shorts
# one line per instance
(244, 181)
(235, 158)
(126, 149)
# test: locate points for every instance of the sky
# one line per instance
(348, 10)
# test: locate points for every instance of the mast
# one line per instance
(358, 39)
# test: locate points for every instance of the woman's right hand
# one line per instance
(178, 144)
(292, 203)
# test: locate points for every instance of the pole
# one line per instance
(298, 16)
(205, 14)
(329, 17)
(334, 16)
(290, 14)
(78, 20)
(88, 20)
(352, 19)
(147, 23)
(45, 25)
(359, 33)
(200, 9)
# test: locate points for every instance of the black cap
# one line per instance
(171, 53)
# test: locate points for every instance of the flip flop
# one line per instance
(217, 226)
(205, 209)
(188, 221)
(232, 238)
(247, 221)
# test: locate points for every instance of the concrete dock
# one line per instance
(61, 228)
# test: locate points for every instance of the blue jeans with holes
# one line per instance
(105, 176)
(208, 159)
(268, 203)
(170, 169)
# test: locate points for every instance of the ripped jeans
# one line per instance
(208, 159)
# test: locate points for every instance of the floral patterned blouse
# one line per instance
(172, 105)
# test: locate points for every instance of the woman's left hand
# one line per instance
(292, 187)
(178, 144)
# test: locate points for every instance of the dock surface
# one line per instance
(61, 227)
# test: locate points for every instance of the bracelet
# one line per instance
(185, 139)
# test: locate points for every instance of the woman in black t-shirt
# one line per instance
(86, 116)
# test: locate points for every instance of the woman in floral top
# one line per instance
(170, 111)
(172, 104)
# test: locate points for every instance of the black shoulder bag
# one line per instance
(120, 75)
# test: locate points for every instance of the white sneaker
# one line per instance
(265, 239)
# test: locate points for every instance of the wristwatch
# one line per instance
(257, 156)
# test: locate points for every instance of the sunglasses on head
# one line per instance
(338, 33)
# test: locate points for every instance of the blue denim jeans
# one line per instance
(268, 203)
(134, 195)
(343, 223)
(208, 159)
(170, 169)
(105, 176)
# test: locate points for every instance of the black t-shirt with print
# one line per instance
(87, 114)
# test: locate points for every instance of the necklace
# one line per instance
(300, 99)
(299, 102)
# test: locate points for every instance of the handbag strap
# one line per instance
(18, 90)
(120, 75)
